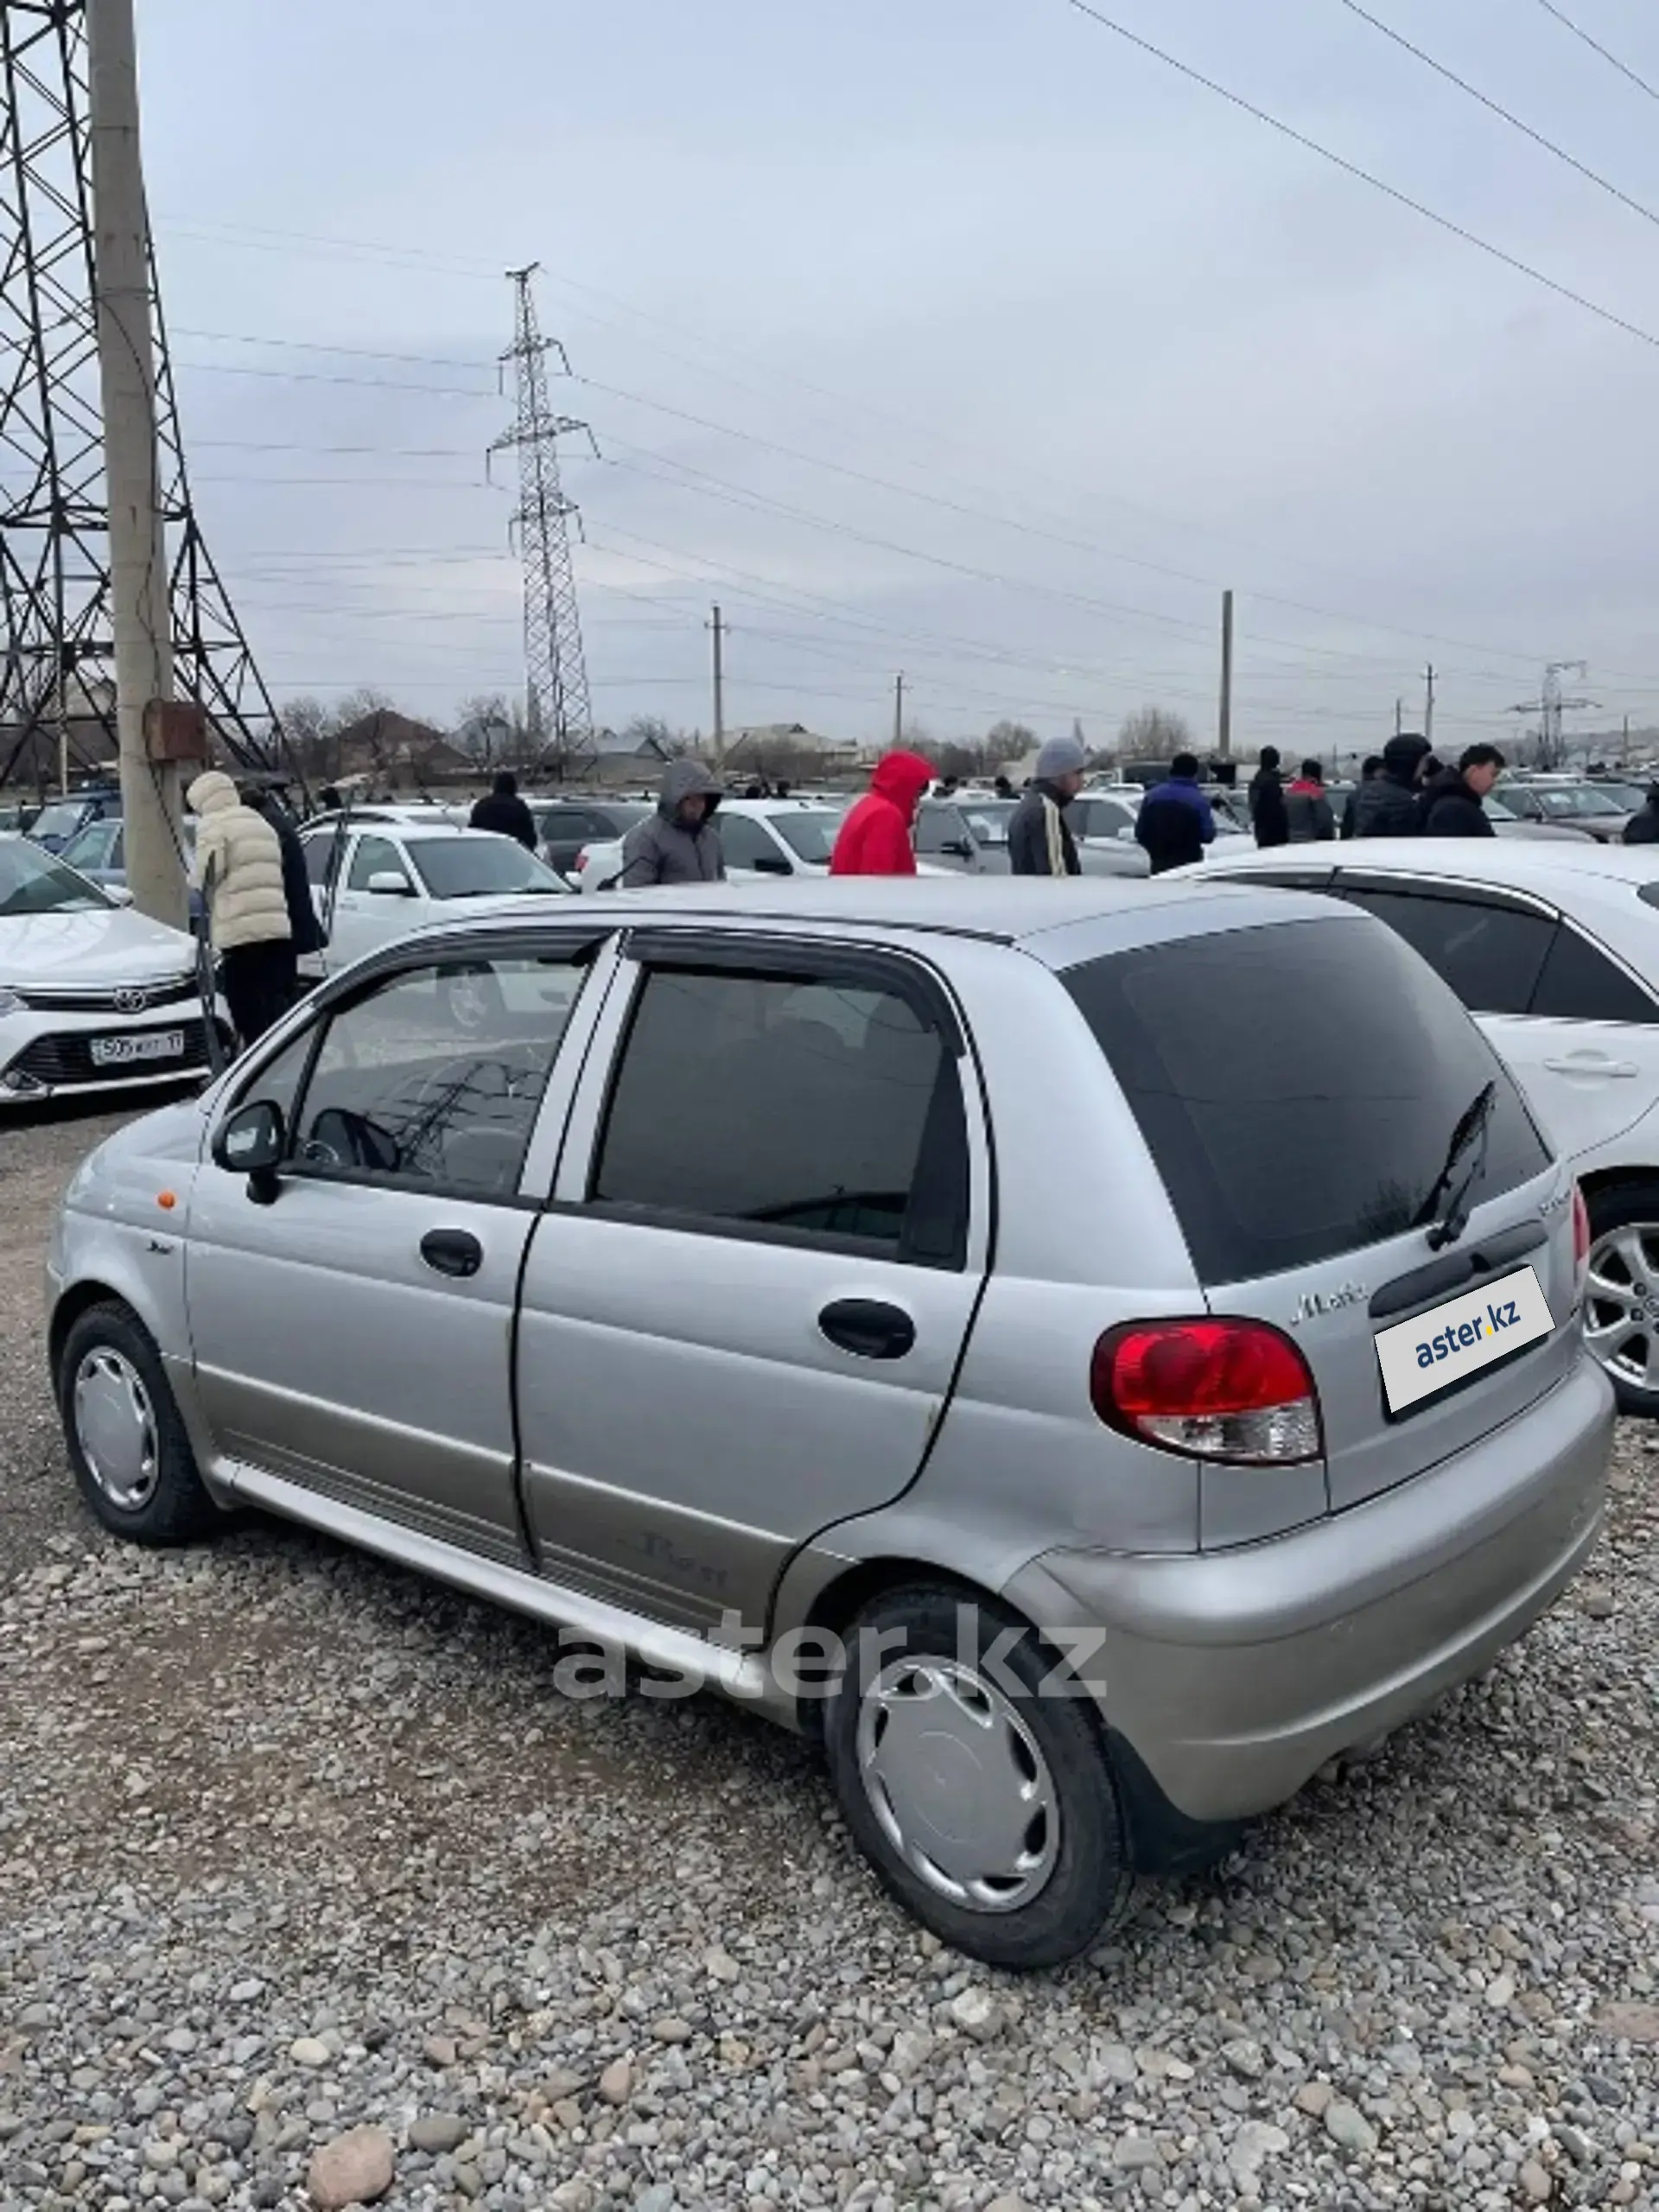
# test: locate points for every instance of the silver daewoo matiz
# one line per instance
(1090, 1353)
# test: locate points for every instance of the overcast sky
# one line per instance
(1037, 344)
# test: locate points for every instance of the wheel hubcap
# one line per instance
(958, 1784)
(115, 1428)
(1621, 1304)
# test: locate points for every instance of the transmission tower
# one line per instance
(558, 707)
(1551, 708)
(57, 685)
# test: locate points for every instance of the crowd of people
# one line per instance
(251, 869)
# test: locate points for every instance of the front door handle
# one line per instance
(452, 1251)
(1589, 1063)
(867, 1328)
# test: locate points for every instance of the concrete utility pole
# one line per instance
(140, 598)
(719, 629)
(1225, 723)
(899, 708)
(1428, 702)
(1399, 716)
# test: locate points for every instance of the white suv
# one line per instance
(1555, 948)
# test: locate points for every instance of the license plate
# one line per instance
(153, 1045)
(1451, 1343)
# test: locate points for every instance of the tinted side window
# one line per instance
(435, 1078)
(1297, 1085)
(938, 826)
(1490, 955)
(374, 856)
(790, 1102)
(743, 843)
(1580, 983)
(320, 858)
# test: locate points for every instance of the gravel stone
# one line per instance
(1348, 2126)
(354, 2169)
(239, 1814)
(437, 2131)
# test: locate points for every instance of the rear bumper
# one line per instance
(1234, 1675)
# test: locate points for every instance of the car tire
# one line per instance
(1034, 1774)
(126, 1439)
(1624, 1210)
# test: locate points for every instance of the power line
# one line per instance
(1365, 176)
(1398, 39)
(309, 345)
(792, 453)
(1568, 24)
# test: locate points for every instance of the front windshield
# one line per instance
(810, 834)
(469, 867)
(92, 846)
(1573, 798)
(1624, 796)
(33, 882)
(61, 818)
(990, 824)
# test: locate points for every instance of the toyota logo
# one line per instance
(132, 999)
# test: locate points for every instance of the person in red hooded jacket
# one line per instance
(875, 839)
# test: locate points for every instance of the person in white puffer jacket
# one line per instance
(238, 869)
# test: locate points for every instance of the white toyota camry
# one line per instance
(92, 996)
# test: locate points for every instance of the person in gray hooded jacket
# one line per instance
(680, 843)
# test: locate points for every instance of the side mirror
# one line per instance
(251, 1143)
(959, 849)
(771, 864)
(120, 893)
(1127, 832)
(391, 883)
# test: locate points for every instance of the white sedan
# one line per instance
(374, 882)
(92, 996)
(1554, 950)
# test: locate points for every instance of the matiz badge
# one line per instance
(1451, 1343)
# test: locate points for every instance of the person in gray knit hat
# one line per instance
(1039, 841)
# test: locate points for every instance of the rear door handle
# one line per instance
(452, 1251)
(867, 1328)
(1586, 1064)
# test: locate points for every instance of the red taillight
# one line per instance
(1580, 1238)
(1216, 1389)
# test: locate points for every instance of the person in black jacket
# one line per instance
(1175, 822)
(1451, 802)
(1387, 806)
(1040, 843)
(1369, 773)
(306, 932)
(1268, 817)
(1643, 828)
(504, 812)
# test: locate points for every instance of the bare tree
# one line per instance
(484, 726)
(309, 727)
(1008, 741)
(1154, 734)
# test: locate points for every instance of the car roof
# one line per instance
(414, 832)
(1523, 864)
(1084, 916)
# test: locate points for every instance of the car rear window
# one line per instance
(1298, 1085)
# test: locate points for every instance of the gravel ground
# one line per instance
(313, 1881)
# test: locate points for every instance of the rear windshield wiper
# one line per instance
(1446, 1209)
